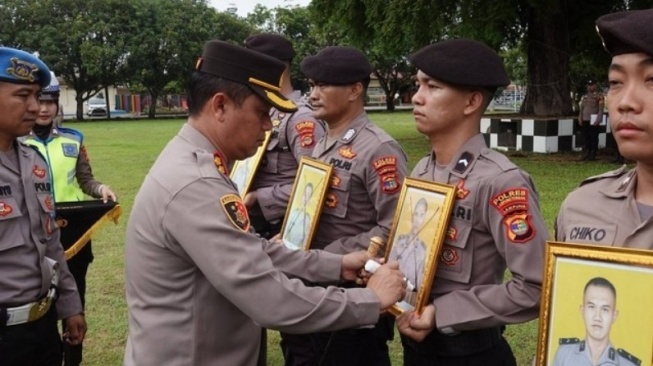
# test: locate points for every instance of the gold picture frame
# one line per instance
(594, 292)
(243, 171)
(306, 203)
(423, 214)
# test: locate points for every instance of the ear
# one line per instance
(615, 315)
(355, 91)
(217, 106)
(475, 102)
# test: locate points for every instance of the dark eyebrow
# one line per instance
(645, 62)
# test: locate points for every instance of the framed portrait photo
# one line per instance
(418, 231)
(306, 202)
(597, 306)
(243, 171)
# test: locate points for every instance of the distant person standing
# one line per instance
(65, 152)
(589, 119)
(294, 134)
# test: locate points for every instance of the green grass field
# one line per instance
(122, 152)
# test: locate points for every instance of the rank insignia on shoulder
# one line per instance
(38, 171)
(236, 211)
(346, 152)
(568, 341)
(464, 162)
(276, 123)
(623, 353)
(220, 163)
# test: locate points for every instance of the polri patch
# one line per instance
(236, 211)
(519, 228)
(306, 131)
(70, 150)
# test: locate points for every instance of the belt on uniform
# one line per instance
(462, 344)
(32, 311)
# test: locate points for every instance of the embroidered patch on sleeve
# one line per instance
(511, 201)
(69, 150)
(236, 211)
(306, 131)
(519, 228)
(386, 168)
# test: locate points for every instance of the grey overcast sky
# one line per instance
(246, 6)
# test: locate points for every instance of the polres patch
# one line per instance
(511, 201)
(306, 131)
(236, 211)
(386, 168)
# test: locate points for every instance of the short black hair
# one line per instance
(203, 86)
(601, 282)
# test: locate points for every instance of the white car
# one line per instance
(97, 107)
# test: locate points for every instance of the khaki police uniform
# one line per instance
(294, 135)
(495, 223)
(574, 352)
(368, 169)
(199, 283)
(603, 210)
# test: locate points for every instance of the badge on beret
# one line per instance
(306, 131)
(386, 168)
(69, 150)
(236, 211)
(449, 256)
(461, 192)
(22, 70)
(346, 152)
(38, 171)
(518, 227)
(5, 209)
(220, 163)
(511, 201)
(331, 200)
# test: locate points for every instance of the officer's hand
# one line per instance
(388, 283)
(276, 239)
(250, 199)
(417, 327)
(75, 329)
(107, 193)
(352, 265)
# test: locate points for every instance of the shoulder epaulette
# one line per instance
(623, 353)
(70, 131)
(568, 340)
(498, 158)
(611, 174)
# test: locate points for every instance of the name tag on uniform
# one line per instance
(70, 150)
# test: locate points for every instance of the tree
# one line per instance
(546, 28)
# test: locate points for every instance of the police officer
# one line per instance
(294, 134)
(199, 283)
(36, 287)
(599, 310)
(589, 119)
(66, 155)
(368, 169)
(627, 195)
(496, 220)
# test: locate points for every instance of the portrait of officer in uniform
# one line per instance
(409, 249)
(299, 221)
(616, 208)
(599, 313)
(200, 284)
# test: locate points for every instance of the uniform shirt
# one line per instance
(29, 234)
(573, 352)
(368, 169)
(495, 223)
(591, 103)
(200, 286)
(410, 252)
(603, 210)
(294, 136)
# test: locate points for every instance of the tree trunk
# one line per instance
(548, 92)
(80, 106)
(152, 110)
(390, 100)
(107, 101)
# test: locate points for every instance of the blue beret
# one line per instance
(20, 67)
(261, 73)
(627, 32)
(338, 65)
(272, 45)
(462, 62)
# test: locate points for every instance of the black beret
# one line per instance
(627, 32)
(262, 73)
(338, 65)
(462, 62)
(20, 67)
(272, 45)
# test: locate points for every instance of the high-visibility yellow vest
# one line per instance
(61, 151)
